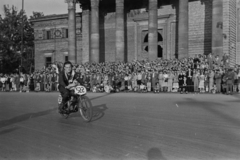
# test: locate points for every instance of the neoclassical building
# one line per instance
(126, 30)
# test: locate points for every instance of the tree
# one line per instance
(36, 15)
(10, 40)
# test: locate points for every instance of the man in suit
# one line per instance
(230, 81)
(210, 60)
(67, 80)
(189, 75)
(181, 82)
(154, 77)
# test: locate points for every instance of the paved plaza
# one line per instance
(125, 126)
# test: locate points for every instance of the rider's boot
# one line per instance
(62, 109)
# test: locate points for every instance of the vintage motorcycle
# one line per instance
(78, 102)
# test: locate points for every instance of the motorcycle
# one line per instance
(78, 102)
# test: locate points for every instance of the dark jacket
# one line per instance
(230, 77)
(65, 80)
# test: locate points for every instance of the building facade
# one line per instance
(118, 30)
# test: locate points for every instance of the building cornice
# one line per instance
(145, 18)
(53, 17)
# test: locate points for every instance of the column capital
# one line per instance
(70, 1)
(119, 3)
(94, 3)
(71, 4)
(153, 4)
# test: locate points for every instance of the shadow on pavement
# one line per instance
(211, 107)
(105, 95)
(6, 131)
(237, 96)
(155, 154)
(24, 117)
(98, 111)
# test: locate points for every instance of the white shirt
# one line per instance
(3, 79)
(139, 76)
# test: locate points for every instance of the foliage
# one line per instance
(10, 40)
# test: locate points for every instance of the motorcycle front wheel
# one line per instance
(85, 109)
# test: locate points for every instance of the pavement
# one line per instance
(125, 126)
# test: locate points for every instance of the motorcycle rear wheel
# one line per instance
(85, 109)
(64, 115)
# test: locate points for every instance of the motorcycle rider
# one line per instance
(67, 80)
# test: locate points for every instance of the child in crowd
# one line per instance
(157, 88)
(142, 88)
(94, 89)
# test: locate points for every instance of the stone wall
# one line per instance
(200, 27)
(230, 29)
(238, 33)
(200, 32)
(57, 46)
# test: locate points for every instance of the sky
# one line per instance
(46, 6)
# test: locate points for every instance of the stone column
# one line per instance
(72, 44)
(95, 31)
(85, 33)
(153, 30)
(217, 27)
(120, 40)
(183, 29)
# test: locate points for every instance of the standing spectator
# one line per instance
(52, 80)
(13, 82)
(206, 81)
(196, 61)
(38, 82)
(7, 83)
(235, 81)
(31, 85)
(17, 82)
(42, 82)
(3, 81)
(218, 81)
(211, 80)
(238, 76)
(134, 81)
(161, 79)
(225, 60)
(139, 79)
(56, 82)
(185, 82)
(230, 81)
(224, 82)
(189, 76)
(45, 81)
(196, 80)
(217, 61)
(149, 82)
(210, 60)
(165, 81)
(21, 80)
(175, 82)
(201, 81)
(144, 77)
(170, 81)
(181, 81)
(154, 78)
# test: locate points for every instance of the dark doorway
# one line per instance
(146, 48)
(160, 51)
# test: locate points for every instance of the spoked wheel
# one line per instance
(85, 109)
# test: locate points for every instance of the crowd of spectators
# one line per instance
(199, 74)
